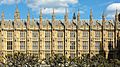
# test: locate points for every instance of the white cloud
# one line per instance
(111, 9)
(35, 5)
(58, 5)
(57, 11)
(50, 10)
(51, 3)
(9, 2)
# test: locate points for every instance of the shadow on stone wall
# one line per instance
(118, 48)
(102, 51)
(111, 50)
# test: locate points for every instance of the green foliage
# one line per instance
(83, 61)
(56, 60)
(20, 59)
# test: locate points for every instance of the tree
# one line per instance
(56, 60)
(98, 60)
(20, 59)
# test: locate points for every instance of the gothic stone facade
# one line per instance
(64, 37)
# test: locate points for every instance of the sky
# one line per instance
(98, 7)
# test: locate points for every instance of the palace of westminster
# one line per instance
(73, 38)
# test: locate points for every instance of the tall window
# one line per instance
(72, 55)
(97, 33)
(85, 33)
(47, 33)
(72, 45)
(47, 44)
(34, 34)
(97, 45)
(110, 45)
(47, 55)
(110, 34)
(35, 45)
(85, 45)
(72, 33)
(9, 35)
(60, 34)
(22, 33)
(9, 45)
(22, 45)
(60, 45)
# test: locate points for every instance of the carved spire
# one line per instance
(91, 17)
(66, 15)
(74, 16)
(78, 16)
(116, 16)
(33, 19)
(40, 22)
(17, 14)
(53, 16)
(28, 17)
(2, 16)
(103, 17)
(17, 11)
(40, 16)
(2, 19)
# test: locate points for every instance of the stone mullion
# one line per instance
(26, 38)
(39, 44)
(51, 41)
(64, 45)
(89, 40)
(76, 41)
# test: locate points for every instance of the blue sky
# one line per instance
(98, 7)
